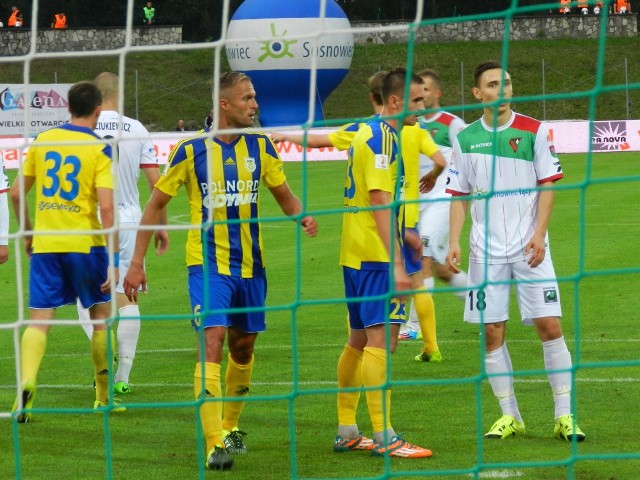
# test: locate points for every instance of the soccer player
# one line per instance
(434, 216)
(233, 274)
(4, 214)
(71, 171)
(135, 153)
(508, 160)
(369, 245)
(415, 142)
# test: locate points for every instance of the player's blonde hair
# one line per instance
(107, 83)
(231, 79)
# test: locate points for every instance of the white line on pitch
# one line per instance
(312, 383)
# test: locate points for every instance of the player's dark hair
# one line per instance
(83, 98)
(394, 82)
(375, 86)
(483, 67)
(433, 75)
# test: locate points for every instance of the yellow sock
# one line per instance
(374, 374)
(100, 364)
(237, 381)
(210, 412)
(426, 311)
(33, 345)
(349, 375)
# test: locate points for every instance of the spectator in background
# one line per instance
(565, 8)
(59, 20)
(598, 8)
(15, 19)
(208, 121)
(149, 13)
(180, 127)
(584, 8)
(622, 6)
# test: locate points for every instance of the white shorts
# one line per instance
(127, 238)
(536, 289)
(434, 230)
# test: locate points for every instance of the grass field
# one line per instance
(291, 415)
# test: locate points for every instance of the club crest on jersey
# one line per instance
(550, 295)
(250, 164)
(514, 143)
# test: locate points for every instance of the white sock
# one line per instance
(85, 319)
(429, 284)
(499, 361)
(412, 322)
(557, 357)
(460, 280)
(128, 333)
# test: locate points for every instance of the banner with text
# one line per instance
(568, 137)
(27, 110)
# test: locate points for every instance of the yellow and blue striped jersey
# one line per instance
(68, 163)
(372, 165)
(414, 140)
(234, 241)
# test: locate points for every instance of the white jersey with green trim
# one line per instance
(503, 167)
(443, 127)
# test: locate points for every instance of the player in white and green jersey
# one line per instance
(433, 225)
(508, 160)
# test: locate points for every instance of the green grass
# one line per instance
(291, 414)
(177, 84)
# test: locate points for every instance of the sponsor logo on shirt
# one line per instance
(382, 162)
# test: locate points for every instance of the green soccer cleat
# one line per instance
(99, 407)
(234, 441)
(567, 429)
(399, 447)
(505, 426)
(219, 459)
(121, 388)
(28, 394)
(435, 357)
(361, 442)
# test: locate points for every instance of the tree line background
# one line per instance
(202, 19)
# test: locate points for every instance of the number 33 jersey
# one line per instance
(69, 163)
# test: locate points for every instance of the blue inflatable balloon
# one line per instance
(275, 42)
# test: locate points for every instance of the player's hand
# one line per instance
(112, 272)
(453, 258)
(309, 226)
(278, 137)
(535, 251)
(4, 253)
(401, 279)
(28, 245)
(135, 279)
(427, 182)
(161, 241)
(414, 242)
